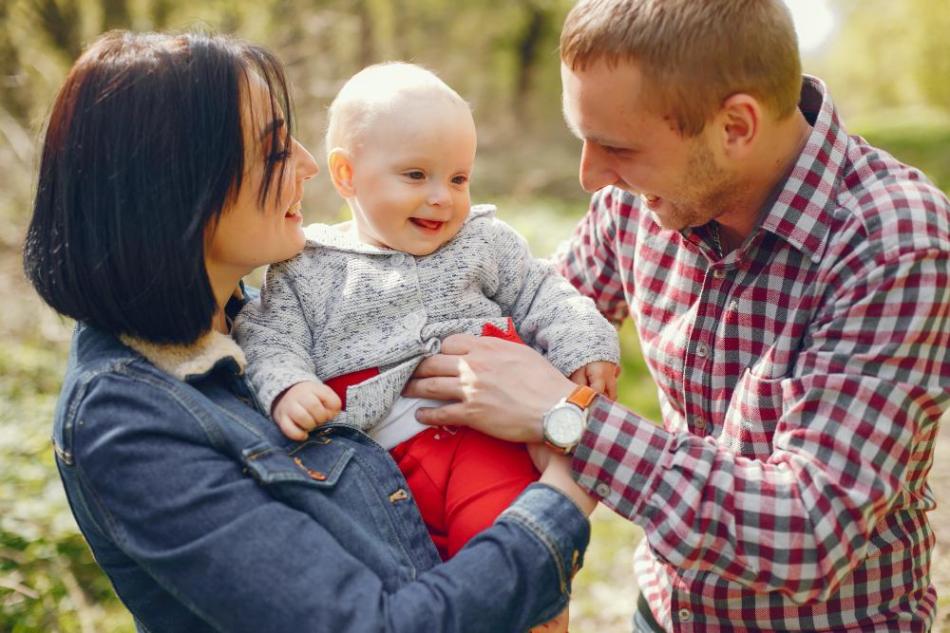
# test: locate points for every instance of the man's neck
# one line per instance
(782, 146)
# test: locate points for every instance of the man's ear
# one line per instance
(341, 172)
(740, 121)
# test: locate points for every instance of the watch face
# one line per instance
(564, 426)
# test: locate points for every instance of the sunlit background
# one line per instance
(814, 23)
(886, 63)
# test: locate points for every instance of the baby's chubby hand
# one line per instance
(601, 376)
(303, 407)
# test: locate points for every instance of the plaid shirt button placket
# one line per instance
(800, 380)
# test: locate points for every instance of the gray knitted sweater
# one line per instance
(341, 306)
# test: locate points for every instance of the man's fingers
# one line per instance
(458, 344)
(438, 388)
(438, 365)
(446, 415)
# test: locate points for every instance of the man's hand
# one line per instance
(500, 388)
(303, 407)
(601, 376)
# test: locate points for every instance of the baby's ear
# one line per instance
(341, 172)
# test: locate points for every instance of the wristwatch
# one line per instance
(564, 423)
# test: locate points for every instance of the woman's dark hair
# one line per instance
(143, 151)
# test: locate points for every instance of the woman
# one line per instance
(168, 173)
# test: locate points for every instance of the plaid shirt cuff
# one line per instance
(620, 456)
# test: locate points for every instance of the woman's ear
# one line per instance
(341, 172)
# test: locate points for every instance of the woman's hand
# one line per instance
(557, 474)
(303, 407)
(501, 388)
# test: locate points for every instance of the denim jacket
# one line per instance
(206, 518)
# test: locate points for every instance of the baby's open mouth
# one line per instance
(428, 225)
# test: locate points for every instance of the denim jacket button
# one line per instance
(399, 495)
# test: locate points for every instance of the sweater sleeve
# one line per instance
(276, 337)
(589, 259)
(549, 313)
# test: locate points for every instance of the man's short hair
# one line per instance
(693, 53)
(373, 92)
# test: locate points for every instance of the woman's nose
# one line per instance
(306, 164)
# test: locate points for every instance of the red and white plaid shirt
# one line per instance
(801, 380)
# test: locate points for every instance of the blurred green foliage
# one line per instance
(888, 66)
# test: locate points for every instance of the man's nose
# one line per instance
(595, 172)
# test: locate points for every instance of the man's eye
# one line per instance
(415, 175)
(619, 151)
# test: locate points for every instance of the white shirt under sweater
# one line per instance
(342, 305)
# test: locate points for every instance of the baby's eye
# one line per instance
(415, 174)
(459, 180)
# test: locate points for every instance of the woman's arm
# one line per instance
(209, 534)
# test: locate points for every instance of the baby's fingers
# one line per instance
(596, 381)
(290, 428)
(330, 401)
(580, 376)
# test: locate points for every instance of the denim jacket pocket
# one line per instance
(328, 480)
(269, 464)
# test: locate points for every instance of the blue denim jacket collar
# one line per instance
(210, 352)
(192, 361)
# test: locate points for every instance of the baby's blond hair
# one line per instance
(377, 90)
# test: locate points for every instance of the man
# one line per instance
(791, 288)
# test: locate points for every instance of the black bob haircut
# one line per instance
(143, 151)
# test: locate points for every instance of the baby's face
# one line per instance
(411, 176)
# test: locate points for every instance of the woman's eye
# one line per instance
(277, 157)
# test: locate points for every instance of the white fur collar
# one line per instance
(193, 359)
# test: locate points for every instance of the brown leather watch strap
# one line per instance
(582, 396)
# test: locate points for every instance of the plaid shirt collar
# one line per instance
(801, 213)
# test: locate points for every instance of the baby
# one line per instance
(340, 328)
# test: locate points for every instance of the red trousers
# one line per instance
(462, 480)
